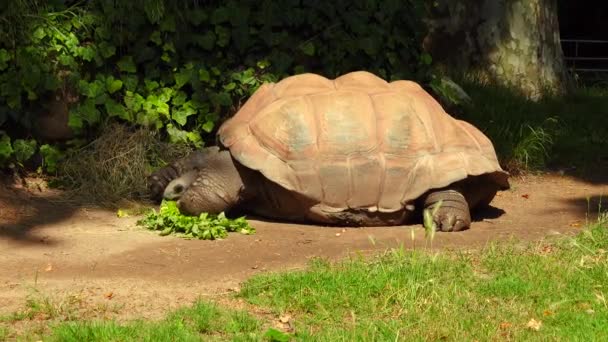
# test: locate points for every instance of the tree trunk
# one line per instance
(514, 43)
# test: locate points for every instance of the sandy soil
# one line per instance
(105, 266)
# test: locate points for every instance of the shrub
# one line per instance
(181, 67)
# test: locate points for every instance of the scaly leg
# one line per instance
(453, 215)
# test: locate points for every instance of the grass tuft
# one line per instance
(114, 167)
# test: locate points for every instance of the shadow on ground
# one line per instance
(589, 207)
(489, 213)
(22, 212)
(592, 177)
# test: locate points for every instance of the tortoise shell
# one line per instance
(357, 141)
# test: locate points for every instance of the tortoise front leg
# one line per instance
(453, 215)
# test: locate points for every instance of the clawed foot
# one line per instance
(453, 213)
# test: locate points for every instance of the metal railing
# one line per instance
(571, 60)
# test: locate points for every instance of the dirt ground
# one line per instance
(107, 266)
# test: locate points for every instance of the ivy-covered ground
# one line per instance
(62, 263)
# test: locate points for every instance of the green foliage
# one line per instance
(17, 151)
(24, 149)
(6, 148)
(51, 156)
(533, 145)
(448, 91)
(207, 227)
(182, 68)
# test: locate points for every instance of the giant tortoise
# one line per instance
(356, 150)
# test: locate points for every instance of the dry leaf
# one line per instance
(546, 249)
(526, 196)
(584, 306)
(575, 224)
(109, 295)
(48, 268)
(505, 325)
(534, 324)
(547, 313)
(121, 213)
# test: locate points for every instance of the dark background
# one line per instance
(585, 20)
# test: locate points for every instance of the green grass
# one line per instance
(503, 291)
(493, 294)
(559, 131)
(3, 333)
(201, 321)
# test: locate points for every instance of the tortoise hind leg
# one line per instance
(453, 215)
(458, 200)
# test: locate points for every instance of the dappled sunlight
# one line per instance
(504, 42)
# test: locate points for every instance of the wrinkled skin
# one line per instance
(453, 215)
(178, 186)
(210, 180)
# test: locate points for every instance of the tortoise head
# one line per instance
(212, 188)
(176, 188)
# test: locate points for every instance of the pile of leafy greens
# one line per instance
(205, 226)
